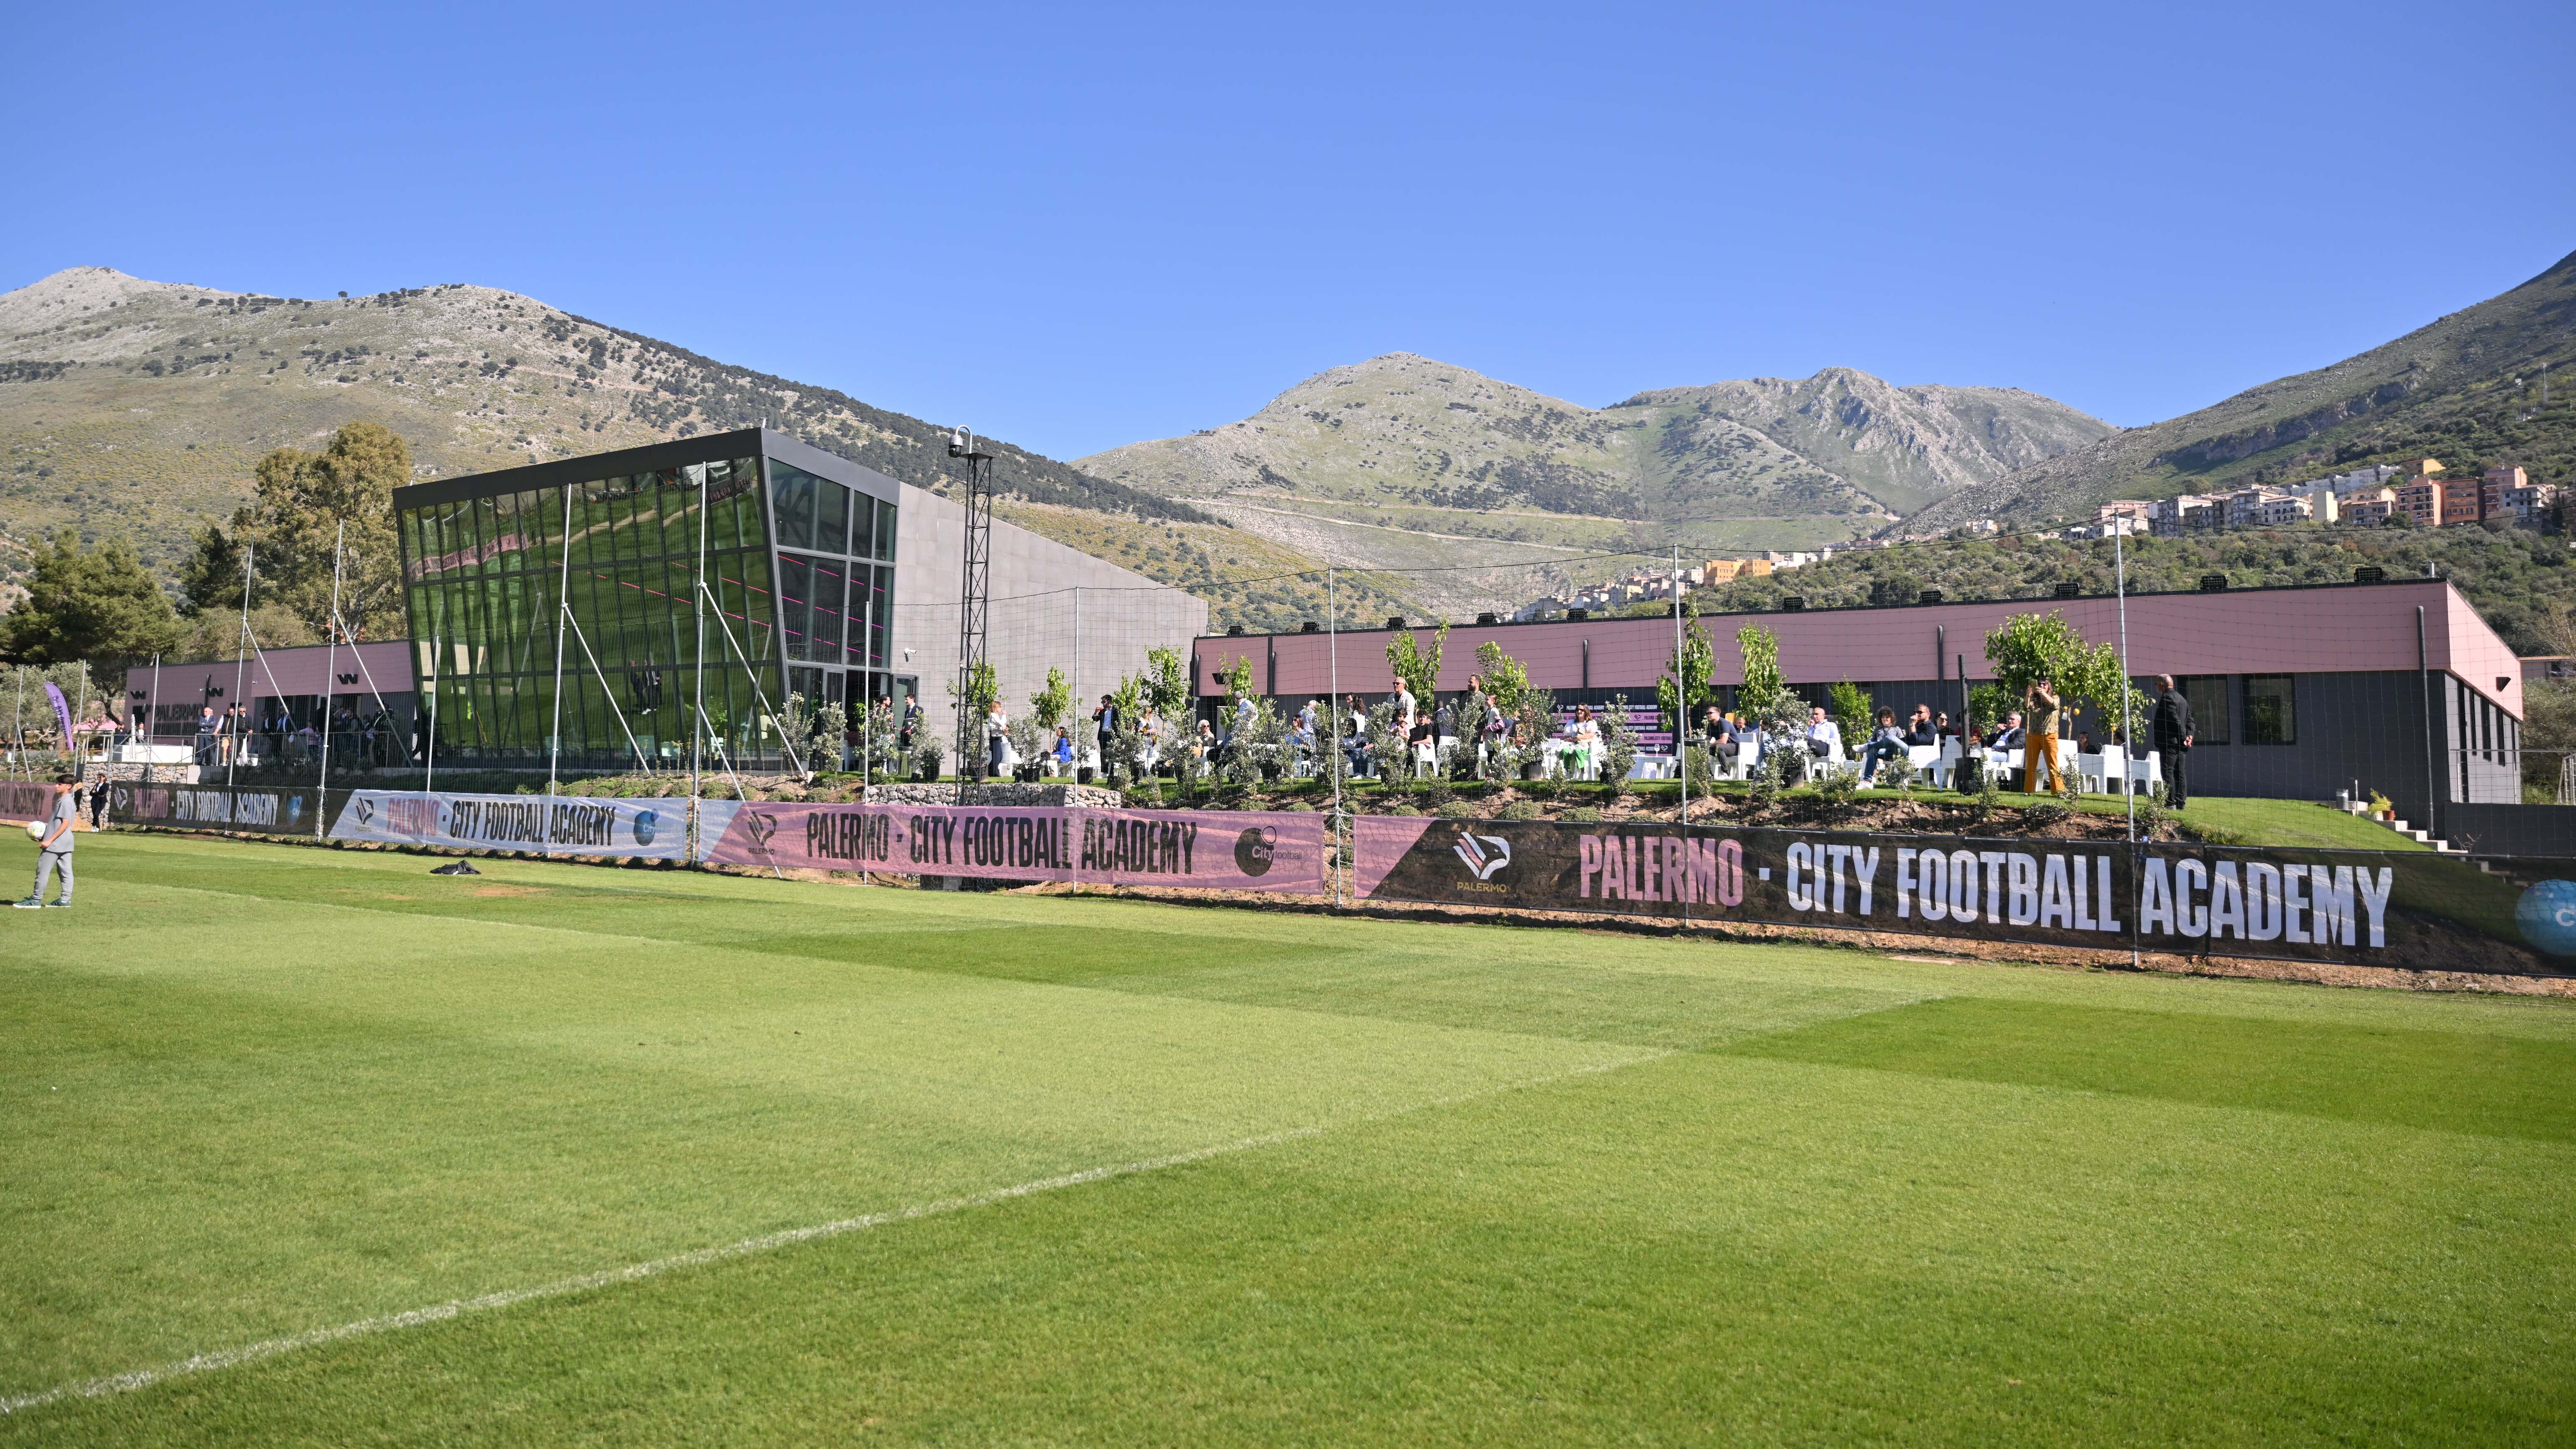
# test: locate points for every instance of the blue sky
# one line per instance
(1077, 227)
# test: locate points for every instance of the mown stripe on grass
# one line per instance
(2447, 1081)
(137, 1379)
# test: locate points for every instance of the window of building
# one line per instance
(831, 518)
(2271, 713)
(791, 504)
(2210, 717)
(884, 533)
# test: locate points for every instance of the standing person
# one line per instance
(1444, 728)
(997, 741)
(2039, 743)
(2172, 724)
(54, 848)
(1104, 728)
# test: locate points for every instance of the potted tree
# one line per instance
(927, 761)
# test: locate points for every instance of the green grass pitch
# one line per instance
(1333, 1181)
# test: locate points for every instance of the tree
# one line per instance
(1419, 668)
(1167, 681)
(1765, 692)
(1848, 703)
(210, 578)
(88, 604)
(2030, 647)
(1054, 703)
(307, 503)
(1506, 678)
(1237, 678)
(1687, 685)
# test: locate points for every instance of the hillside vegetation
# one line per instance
(1370, 462)
(138, 409)
(2520, 582)
(2464, 389)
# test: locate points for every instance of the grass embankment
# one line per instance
(1463, 1183)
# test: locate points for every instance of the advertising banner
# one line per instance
(244, 809)
(25, 800)
(1211, 850)
(2408, 909)
(535, 824)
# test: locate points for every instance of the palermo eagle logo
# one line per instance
(1485, 855)
(759, 827)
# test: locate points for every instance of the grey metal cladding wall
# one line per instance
(2366, 727)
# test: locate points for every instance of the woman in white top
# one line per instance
(1585, 732)
(997, 739)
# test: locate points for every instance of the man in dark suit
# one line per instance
(2173, 731)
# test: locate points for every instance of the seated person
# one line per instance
(1824, 737)
(2008, 735)
(1887, 742)
(1920, 730)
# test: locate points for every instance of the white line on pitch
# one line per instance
(126, 1383)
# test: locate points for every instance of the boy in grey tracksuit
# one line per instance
(54, 850)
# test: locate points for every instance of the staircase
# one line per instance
(2420, 837)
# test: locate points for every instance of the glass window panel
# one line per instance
(795, 591)
(2271, 717)
(856, 620)
(885, 531)
(791, 504)
(2210, 717)
(880, 608)
(831, 517)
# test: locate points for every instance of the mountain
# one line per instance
(1903, 446)
(1407, 462)
(2465, 389)
(137, 408)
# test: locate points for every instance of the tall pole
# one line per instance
(1333, 683)
(330, 676)
(974, 588)
(698, 660)
(152, 719)
(2433, 779)
(563, 612)
(429, 756)
(1681, 712)
(241, 650)
(2128, 737)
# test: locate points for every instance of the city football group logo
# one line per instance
(1255, 849)
(1485, 855)
(646, 822)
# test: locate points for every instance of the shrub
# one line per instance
(1581, 815)
(1456, 810)
(1518, 810)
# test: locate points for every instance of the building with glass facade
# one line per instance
(709, 579)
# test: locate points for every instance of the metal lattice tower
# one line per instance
(974, 594)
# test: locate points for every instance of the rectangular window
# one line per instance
(2271, 713)
(885, 532)
(856, 621)
(831, 517)
(829, 590)
(880, 608)
(791, 504)
(2210, 717)
(795, 587)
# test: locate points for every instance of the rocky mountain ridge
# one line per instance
(2465, 388)
(1391, 461)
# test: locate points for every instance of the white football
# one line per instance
(35, 830)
